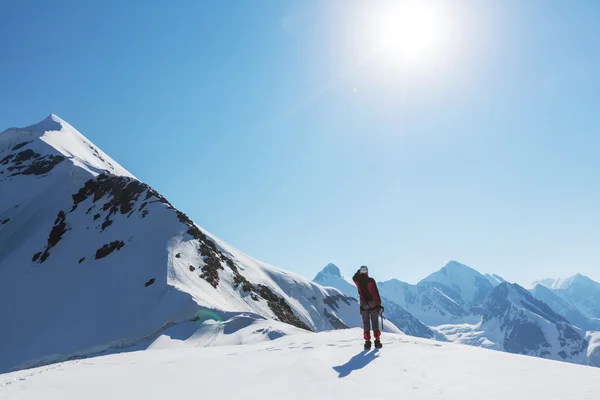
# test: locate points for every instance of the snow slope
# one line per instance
(494, 279)
(452, 295)
(93, 259)
(514, 321)
(582, 292)
(565, 308)
(429, 302)
(471, 287)
(309, 366)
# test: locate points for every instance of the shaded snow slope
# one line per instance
(452, 295)
(494, 279)
(94, 259)
(565, 308)
(471, 287)
(431, 303)
(515, 321)
(579, 291)
(309, 366)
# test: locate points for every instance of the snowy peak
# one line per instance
(566, 283)
(575, 280)
(452, 272)
(520, 323)
(472, 286)
(332, 269)
(565, 308)
(331, 276)
(494, 279)
(547, 282)
(513, 294)
(580, 291)
(105, 261)
(48, 124)
(53, 137)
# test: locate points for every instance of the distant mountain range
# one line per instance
(556, 319)
(92, 260)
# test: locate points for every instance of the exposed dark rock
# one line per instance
(178, 255)
(18, 146)
(150, 282)
(107, 222)
(122, 192)
(335, 322)
(210, 270)
(280, 308)
(109, 248)
(6, 159)
(331, 301)
(58, 230)
(36, 256)
(39, 166)
(5, 221)
(81, 260)
(96, 216)
(239, 279)
(26, 155)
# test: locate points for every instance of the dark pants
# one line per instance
(370, 319)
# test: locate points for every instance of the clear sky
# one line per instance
(353, 132)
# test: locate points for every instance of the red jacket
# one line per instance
(367, 289)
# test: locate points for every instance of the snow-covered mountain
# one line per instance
(92, 259)
(427, 302)
(494, 279)
(452, 295)
(579, 290)
(471, 287)
(565, 308)
(327, 365)
(331, 276)
(516, 322)
(405, 321)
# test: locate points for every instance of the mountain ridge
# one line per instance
(98, 259)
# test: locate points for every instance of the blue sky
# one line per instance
(273, 125)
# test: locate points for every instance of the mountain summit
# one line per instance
(332, 269)
(469, 284)
(93, 259)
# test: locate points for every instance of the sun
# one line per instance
(408, 32)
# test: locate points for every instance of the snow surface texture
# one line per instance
(93, 259)
(326, 365)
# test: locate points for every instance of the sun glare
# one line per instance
(408, 32)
